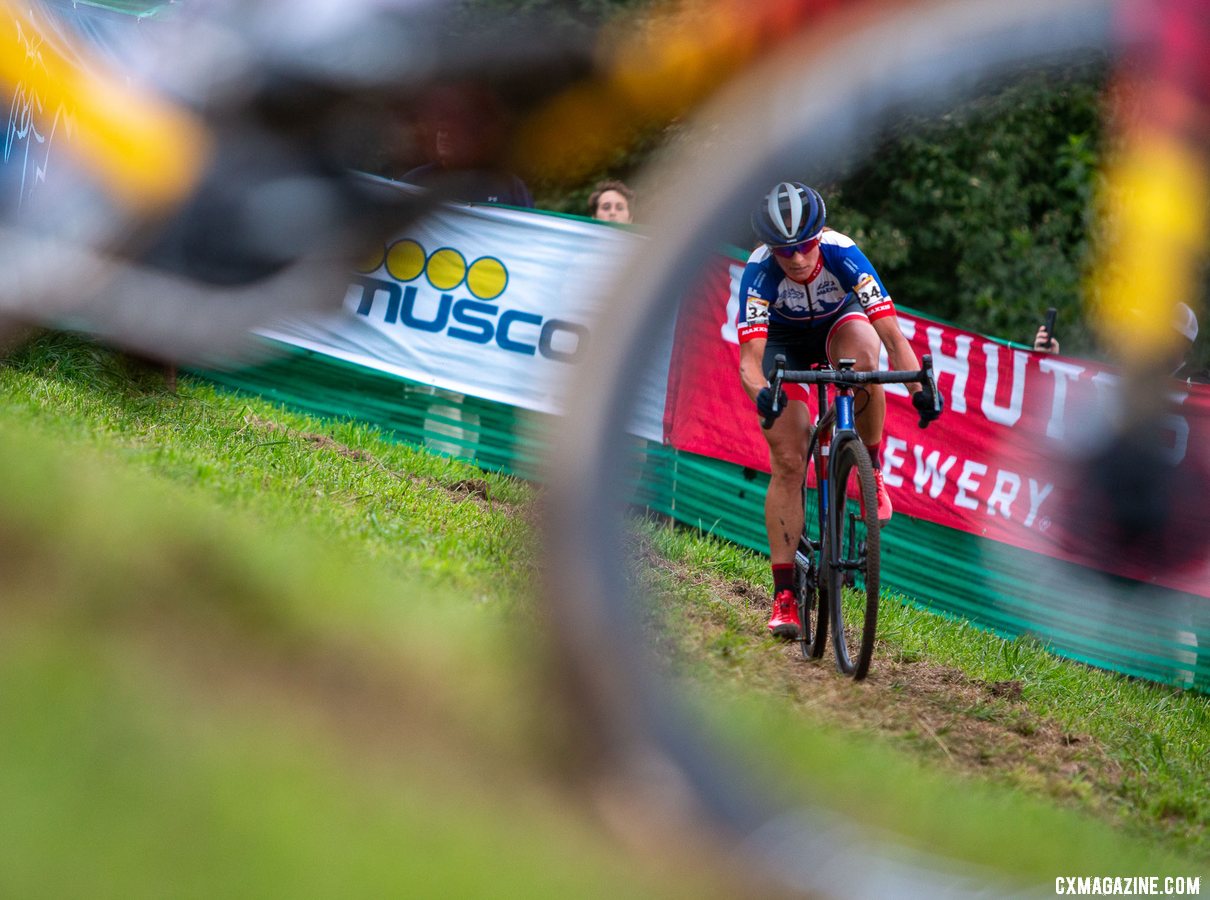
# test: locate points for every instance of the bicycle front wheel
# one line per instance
(853, 556)
(808, 581)
(810, 568)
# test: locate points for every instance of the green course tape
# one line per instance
(1157, 634)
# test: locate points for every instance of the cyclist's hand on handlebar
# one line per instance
(924, 405)
(764, 403)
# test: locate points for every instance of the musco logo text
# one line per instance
(474, 319)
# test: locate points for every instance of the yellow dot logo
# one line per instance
(371, 261)
(446, 269)
(405, 260)
(487, 278)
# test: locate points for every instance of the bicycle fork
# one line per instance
(845, 521)
(825, 452)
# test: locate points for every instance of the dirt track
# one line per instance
(955, 722)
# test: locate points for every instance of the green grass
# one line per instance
(112, 789)
(219, 678)
(1159, 737)
(245, 661)
(220, 445)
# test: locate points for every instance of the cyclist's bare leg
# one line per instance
(855, 338)
(783, 501)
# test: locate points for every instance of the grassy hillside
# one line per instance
(250, 652)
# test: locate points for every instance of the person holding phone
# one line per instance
(1184, 322)
(1045, 340)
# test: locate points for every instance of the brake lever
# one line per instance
(929, 389)
(779, 370)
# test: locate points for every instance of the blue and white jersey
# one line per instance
(767, 294)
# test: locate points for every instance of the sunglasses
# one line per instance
(804, 247)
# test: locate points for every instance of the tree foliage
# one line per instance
(983, 216)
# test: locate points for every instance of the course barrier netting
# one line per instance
(1157, 634)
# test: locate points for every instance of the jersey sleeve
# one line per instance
(859, 276)
(756, 290)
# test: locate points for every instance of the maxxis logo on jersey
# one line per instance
(430, 304)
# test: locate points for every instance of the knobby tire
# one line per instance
(852, 472)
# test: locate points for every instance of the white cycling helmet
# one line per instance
(1184, 321)
(789, 214)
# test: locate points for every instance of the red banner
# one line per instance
(1009, 458)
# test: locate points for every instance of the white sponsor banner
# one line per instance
(492, 302)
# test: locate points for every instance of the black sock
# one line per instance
(783, 577)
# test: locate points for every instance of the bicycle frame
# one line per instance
(819, 561)
(845, 421)
(831, 420)
(845, 379)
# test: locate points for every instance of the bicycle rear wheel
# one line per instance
(853, 556)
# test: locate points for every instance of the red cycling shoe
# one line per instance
(784, 621)
(884, 499)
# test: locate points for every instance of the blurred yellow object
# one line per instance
(1156, 199)
(654, 70)
(145, 152)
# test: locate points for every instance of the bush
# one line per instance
(982, 217)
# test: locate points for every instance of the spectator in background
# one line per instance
(462, 129)
(612, 201)
(1044, 342)
(1184, 320)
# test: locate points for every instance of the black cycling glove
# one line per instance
(764, 403)
(925, 407)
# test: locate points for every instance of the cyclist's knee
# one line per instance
(788, 462)
(856, 340)
(866, 357)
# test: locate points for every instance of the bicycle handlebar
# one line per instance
(924, 375)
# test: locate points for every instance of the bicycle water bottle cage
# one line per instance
(845, 365)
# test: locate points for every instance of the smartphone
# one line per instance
(1049, 325)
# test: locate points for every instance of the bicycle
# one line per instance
(846, 552)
